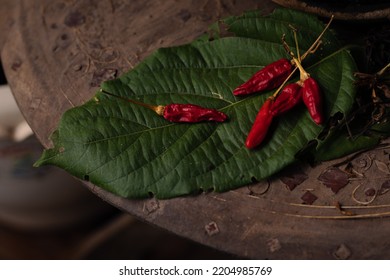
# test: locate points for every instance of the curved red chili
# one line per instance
(260, 125)
(311, 95)
(191, 113)
(288, 98)
(269, 77)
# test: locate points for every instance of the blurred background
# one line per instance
(47, 214)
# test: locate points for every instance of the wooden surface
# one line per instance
(55, 55)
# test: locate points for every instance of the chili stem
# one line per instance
(383, 69)
(311, 49)
(296, 44)
(159, 109)
(286, 46)
(303, 74)
(284, 83)
(317, 41)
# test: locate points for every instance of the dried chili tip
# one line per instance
(189, 113)
(288, 98)
(261, 125)
(269, 77)
(311, 96)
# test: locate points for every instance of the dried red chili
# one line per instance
(311, 95)
(288, 98)
(183, 113)
(260, 125)
(269, 77)
(274, 74)
(191, 113)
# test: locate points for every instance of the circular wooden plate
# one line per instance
(351, 10)
(58, 52)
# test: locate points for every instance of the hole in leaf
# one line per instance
(204, 190)
(151, 194)
(306, 153)
(86, 177)
(210, 167)
(333, 121)
(254, 180)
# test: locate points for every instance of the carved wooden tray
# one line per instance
(56, 54)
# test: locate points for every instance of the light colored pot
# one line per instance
(44, 198)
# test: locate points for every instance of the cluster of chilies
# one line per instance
(306, 90)
(270, 77)
(286, 97)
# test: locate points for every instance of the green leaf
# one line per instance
(340, 144)
(132, 152)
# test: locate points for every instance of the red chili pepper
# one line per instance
(289, 97)
(261, 124)
(311, 95)
(173, 112)
(191, 113)
(270, 77)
